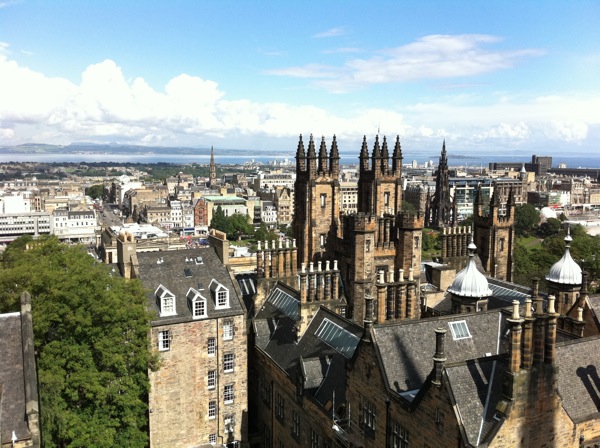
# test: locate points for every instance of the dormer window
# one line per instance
(220, 295)
(197, 303)
(166, 301)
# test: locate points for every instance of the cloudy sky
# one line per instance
(487, 76)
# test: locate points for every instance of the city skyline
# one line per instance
(509, 77)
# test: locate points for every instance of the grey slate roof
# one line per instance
(12, 390)
(578, 381)
(406, 349)
(178, 276)
(324, 366)
(477, 387)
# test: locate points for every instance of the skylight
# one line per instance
(337, 338)
(459, 330)
(285, 302)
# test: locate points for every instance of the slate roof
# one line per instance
(477, 388)
(578, 365)
(324, 361)
(178, 276)
(406, 348)
(12, 389)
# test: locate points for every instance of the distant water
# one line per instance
(572, 161)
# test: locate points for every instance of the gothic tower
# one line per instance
(317, 200)
(495, 235)
(441, 205)
(379, 185)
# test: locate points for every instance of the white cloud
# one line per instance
(332, 32)
(431, 57)
(191, 111)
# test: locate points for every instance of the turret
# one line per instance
(397, 158)
(312, 158)
(300, 156)
(334, 160)
(323, 157)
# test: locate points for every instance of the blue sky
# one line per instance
(487, 76)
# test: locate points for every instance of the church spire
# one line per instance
(212, 182)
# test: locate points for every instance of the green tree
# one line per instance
(239, 226)
(263, 233)
(551, 227)
(526, 219)
(90, 331)
(95, 191)
(408, 207)
(219, 220)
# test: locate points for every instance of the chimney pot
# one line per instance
(515, 314)
(551, 300)
(528, 307)
(401, 275)
(579, 314)
(311, 267)
(327, 265)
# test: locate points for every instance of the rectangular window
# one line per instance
(211, 346)
(296, 424)
(212, 438)
(386, 199)
(164, 340)
(227, 330)
(369, 415)
(168, 305)
(199, 308)
(228, 394)
(222, 298)
(323, 200)
(212, 379)
(228, 362)
(212, 409)
(322, 240)
(229, 421)
(266, 392)
(314, 439)
(501, 244)
(280, 407)
(399, 436)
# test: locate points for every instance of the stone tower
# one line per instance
(495, 235)
(212, 182)
(379, 185)
(442, 210)
(317, 201)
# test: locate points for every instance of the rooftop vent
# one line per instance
(199, 260)
(187, 272)
(161, 260)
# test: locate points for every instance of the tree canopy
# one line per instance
(527, 219)
(95, 191)
(234, 226)
(535, 260)
(90, 333)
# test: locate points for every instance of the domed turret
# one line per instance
(565, 271)
(470, 283)
(565, 279)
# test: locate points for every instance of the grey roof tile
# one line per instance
(181, 270)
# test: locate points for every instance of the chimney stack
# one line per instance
(439, 358)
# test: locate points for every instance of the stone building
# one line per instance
(380, 237)
(198, 393)
(497, 379)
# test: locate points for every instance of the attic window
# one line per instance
(187, 272)
(459, 330)
(199, 260)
